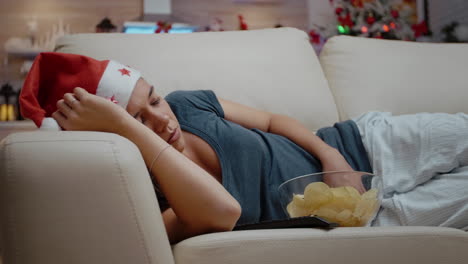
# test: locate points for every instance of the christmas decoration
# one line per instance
(35, 43)
(163, 27)
(420, 29)
(242, 24)
(216, 24)
(454, 32)
(7, 110)
(314, 37)
(105, 26)
(383, 19)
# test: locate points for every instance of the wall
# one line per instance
(320, 13)
(443, 12)
(157, 6)
(263, 14)
(81, 15)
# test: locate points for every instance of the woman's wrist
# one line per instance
(328, 153)
(131, 129)
(125, 125)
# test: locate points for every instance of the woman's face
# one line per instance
(153, 111)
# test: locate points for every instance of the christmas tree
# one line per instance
(386, 19)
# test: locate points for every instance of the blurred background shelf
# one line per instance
(27, 54)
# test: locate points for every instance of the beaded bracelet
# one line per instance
(157, 156)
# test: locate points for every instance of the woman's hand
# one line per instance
(332, 160)
(81, 110)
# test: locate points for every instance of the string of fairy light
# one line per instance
(364, 29)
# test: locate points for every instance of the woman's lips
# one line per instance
(174, 137)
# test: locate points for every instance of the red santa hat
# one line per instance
(54, 74)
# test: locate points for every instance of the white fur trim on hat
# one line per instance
(50, 124)
(117, 83)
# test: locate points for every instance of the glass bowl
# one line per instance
(311, 195)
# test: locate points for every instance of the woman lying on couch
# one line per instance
(219, 163)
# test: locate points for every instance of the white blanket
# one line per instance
(423, 161)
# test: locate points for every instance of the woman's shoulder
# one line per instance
(190, 95)
(199, 99)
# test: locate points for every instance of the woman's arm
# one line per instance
(331, 159)
(178, 230)
(281, 125)
(200, 202)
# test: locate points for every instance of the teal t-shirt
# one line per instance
(254, 163)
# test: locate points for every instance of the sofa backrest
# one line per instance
(273, 69)
(395, 76)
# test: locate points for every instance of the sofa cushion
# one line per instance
(273, 69)
(383, 245)
(395, 76)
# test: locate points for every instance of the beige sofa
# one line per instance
(86, 197)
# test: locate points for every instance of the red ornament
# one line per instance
(420, 29)
(346, 21)
(242, 24)
(395, 13)
(370, 20)
(339, 10)
(163, 27)
(314, 37)
(124, 71)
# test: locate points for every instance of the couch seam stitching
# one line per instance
(135, 218)
(11, 218)
(8, 143)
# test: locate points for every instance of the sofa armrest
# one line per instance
(78, 197)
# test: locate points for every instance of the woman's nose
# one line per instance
(159, 121)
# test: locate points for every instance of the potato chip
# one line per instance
(372, 206)
(296, 211)
(351, 222)
(316, 194)
(359, 222)
(335, 205)
(344, 199)
(370, 194)
(361, 208)
(326, 213)
(344, 216)
(339, 192)
(353, 193)
(298, 200)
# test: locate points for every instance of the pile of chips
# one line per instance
(342, 205)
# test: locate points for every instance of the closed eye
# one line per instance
(155, 102)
